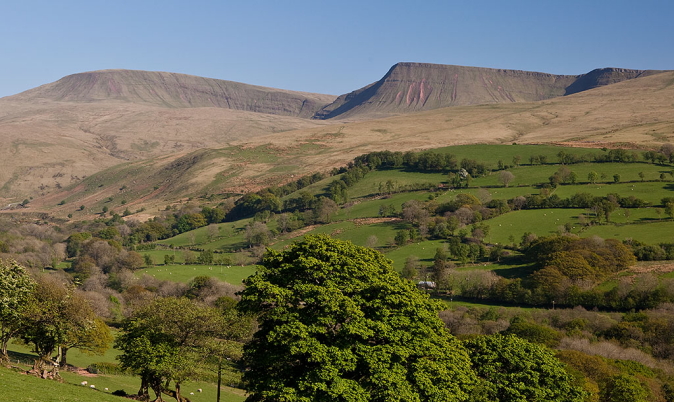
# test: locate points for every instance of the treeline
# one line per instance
(460, 172)
(619, 355)
(564, 270)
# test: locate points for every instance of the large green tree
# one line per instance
(514, 370)
(337, 323)
(164, 341)
(16, 287)
(53, 316)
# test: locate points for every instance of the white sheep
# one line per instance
(200, 390)
(92, 386)
(83, 383)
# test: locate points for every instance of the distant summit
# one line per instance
(177, 91)
(409, 87)
(605, 76)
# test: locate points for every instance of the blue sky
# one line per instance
(327, 47)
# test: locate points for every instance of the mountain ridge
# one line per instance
(175, 90)
(409, 87)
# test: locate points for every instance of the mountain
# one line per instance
(57, 134)
(411, 87)
(176, 91)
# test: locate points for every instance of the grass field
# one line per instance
(648, 224)
(227, 237)
(15, 386)
(233, 274)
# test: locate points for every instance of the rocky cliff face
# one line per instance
(411, 87)
(177, 91)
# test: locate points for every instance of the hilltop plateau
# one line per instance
(409, 87)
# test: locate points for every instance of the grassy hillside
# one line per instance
(360, 220)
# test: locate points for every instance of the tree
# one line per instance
(592, 177)
(162, 342)
(402, 237)
(505, 177)
(16, 287)
(258, 234)
(53, 314)
(616, 178)
(93, 339)
(411, 268)
(669, 209)
(625, 388)
(227, 346)
(336, 323)
(325, 209)
(512, 369)
(517, 159)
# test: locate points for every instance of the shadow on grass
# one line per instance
(512, 272)
(462, 301)
(233, 247)
(22, 358)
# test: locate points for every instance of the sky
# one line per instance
(326, 47)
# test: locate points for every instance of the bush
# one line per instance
(106, 368)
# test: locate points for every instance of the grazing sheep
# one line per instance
(92, 386)
(191, 393)
(200, 390)
(83, 383)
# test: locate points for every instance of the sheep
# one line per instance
(92, 386)
(200, 390)
(84, 383)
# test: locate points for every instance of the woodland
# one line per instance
(466, 273)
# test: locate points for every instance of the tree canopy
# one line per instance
(513, 370)
(162, 340)
(16, 287)
(337, 323)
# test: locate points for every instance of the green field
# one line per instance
(227, 237)
(233, 274)
(647, 224)
(15, 386)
